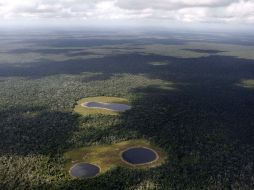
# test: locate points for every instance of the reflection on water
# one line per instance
(139, 155)
(84, 170)
(108, 106)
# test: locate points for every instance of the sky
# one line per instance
(150, 12)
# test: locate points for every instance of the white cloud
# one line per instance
(209, 11)
(171, 4)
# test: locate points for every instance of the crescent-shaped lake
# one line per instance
(108, 106)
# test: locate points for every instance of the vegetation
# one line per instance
(193, 108)
(88, 111)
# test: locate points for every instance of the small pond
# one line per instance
(84, 170)
(139, 155)
(108, 106)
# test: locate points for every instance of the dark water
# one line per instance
(110, 106)
(139, 155)
(84, 170)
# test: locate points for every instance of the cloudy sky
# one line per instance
(113, 11)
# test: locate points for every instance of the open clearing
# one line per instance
(247, 83)
(83, 110)
(109, 156)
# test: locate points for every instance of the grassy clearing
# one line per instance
(157, 63)
(248, 83)
(91, 111)
(109, 156)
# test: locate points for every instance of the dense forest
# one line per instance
(192, 97)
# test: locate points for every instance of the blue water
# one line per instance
(84, 170)
(139, 155)
(109, 106)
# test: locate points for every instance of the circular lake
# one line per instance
(84, 170)
(107, 106)
(139, 155)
